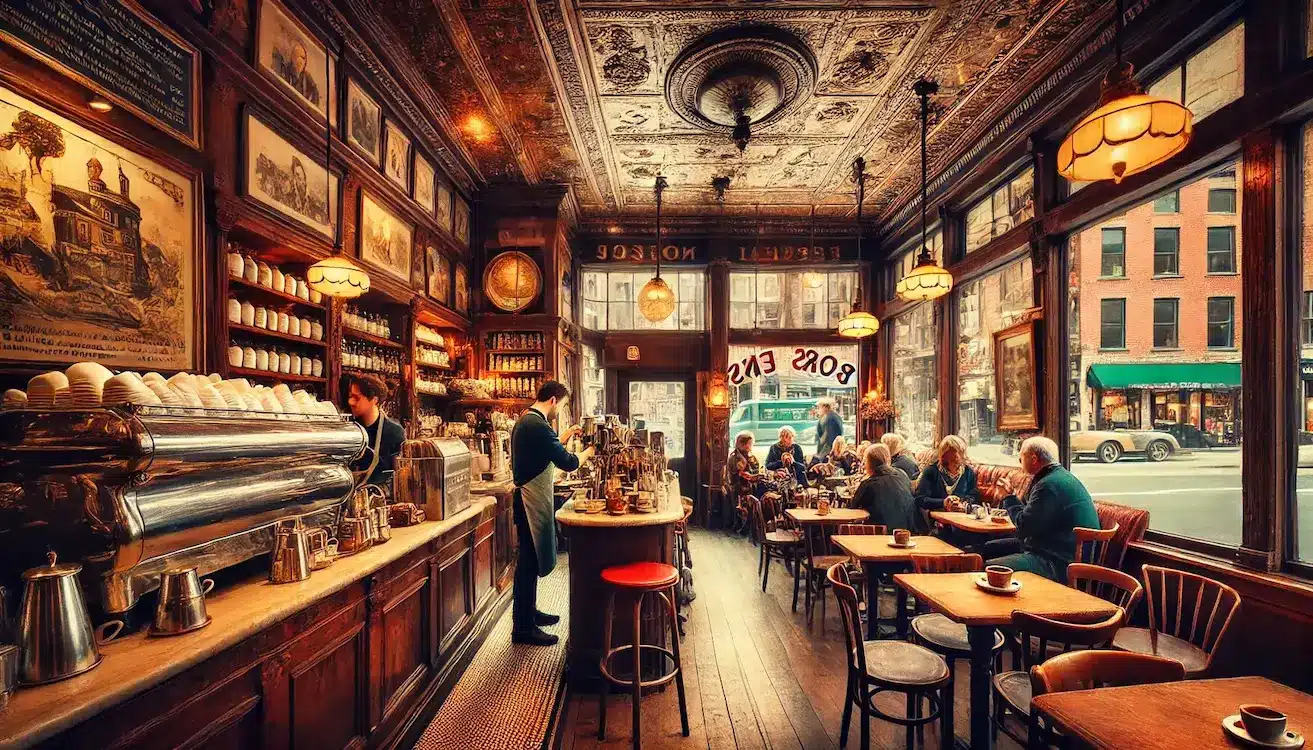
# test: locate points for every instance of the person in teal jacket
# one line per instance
(1056, 504)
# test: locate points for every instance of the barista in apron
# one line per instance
(535, 450)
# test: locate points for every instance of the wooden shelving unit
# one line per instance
(242, 372)
(371, 338)
(252, 330)
(256, 290)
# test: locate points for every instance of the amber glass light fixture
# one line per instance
(1129, 132)
(858, 324)
(336, 275)
(656, 300)
(928, 280)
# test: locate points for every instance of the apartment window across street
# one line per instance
(1221, 322)
(1114, 253)
(1306, 321)
(610, 300)
(1167, 203)
(1112, 324)
(1221, 250)
(1166, 245)
(1221, 201)
(783, 299)
(1010, 204)
(1165, 323)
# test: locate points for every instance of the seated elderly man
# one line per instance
(886, 494)
(785, 457)
(1056, 504)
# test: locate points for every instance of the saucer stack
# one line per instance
(14, 399)
(86, 382)
(163, 392)
(47, 391)
(230, 396)
(210, 397)
(285, 399)
(128, 388)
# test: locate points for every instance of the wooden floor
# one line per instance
(756, 675)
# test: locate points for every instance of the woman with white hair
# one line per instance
(900, 456)
(949, 483)
(786, 456)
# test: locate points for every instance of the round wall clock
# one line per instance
(512, 281)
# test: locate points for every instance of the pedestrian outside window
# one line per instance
(1221, 250)
(1112, 324)
(1166, 243)
(1221, 201)
(1114, 253)
(1165, 323)
(1167, 203)
(1221, 322)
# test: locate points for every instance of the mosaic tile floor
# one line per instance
(505, 698)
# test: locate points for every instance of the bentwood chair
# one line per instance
(1012, 689)
(876, 667)
(816, 560)
(1092, 545)
(1088, 670)
(934, 630)
(1112, 586)
(1189, 615)
(775, 542)
(856, 573)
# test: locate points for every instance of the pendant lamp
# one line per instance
(336, 275)
(656, 300)
(858, 324)
(1129, 132)
(928, 280)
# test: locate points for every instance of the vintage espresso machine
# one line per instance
(434, 474)
(132, 491)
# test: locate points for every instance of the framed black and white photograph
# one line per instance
(396, 154)
(364, 122)
(385, 240)
(288, 181)
(288, 53)
(444, 205)
(424, 183)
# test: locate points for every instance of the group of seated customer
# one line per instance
(898, 494)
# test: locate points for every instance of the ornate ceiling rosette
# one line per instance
(738, 76)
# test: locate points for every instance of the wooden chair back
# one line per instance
(1092, 545)
(758, 518)
(1037, 632)
(1190, 607)
(1086, 670)
(947, 563)
(862, 529)
(852, 623)
(1110, 585)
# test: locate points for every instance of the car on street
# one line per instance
(1109, 445)
(764, 418)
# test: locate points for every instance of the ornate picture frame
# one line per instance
(386, 241)
(1016, 377)
(285, 180)
(289, 54)
(364, 122)
(396, 155)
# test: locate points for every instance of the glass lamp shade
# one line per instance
(656, 300)
(927, 281)
(858, 324)
(1129, 132)
(813, 279)
(337, 276)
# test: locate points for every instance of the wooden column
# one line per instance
(945, 313)
(1048, 255)
(714, 422)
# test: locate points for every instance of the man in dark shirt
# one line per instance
(362, 400)
(828, 427)
(535, 450)
(887, 495)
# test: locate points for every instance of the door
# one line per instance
(665, 404)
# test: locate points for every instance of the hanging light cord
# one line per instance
(659, 189)
(925, 129)
(1119, 25)
(328, 153)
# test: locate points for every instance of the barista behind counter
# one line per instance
(362, 400)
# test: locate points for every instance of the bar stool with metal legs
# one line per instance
(640, 579)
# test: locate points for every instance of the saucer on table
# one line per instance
(983, 582)
(1235, 726)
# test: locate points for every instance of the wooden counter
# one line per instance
(345, 658)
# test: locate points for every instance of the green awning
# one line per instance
(1165, 375)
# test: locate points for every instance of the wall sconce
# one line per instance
(717, 392)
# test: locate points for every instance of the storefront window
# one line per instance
(1010, 204)
(1302, 515)
(771, 387)
(659, 407)
(985, 306)
(610, 300)
(1209, 79)
(790, 299)
(914, 381)
(594, 382)
(1156, 403)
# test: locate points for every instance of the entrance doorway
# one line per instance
(664, 403)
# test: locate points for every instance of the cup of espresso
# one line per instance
(998, 576)
(1263, 723)
(902, 537)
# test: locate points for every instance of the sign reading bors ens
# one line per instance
(803, 361)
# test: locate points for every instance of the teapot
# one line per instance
(291, 556)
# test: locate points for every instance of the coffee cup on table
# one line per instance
(902, 537)
(998, 576)
(1263, 723)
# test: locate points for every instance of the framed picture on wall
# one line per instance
(287, 52)
(423, 189)
(396, 154)
(462, 289)
(439, 276)
(364, 122)
(286, 180)
(385, 240)
(444, 205)
(462, 222)
(1016, 383)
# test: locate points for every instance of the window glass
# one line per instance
(1010, 204)
(610, 300)
(1114, 253)
(790, 299)
(594, 382)
(660, 406)
(1221, 201)
(1155, 367)
(1167, 203)
(1210, 78)
(780, 386)
(1301, 530)
(1221, 250)
(914, 380)
(985, 306)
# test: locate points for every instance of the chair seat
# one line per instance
(641, 575)
(782, 537)
(899, 663)
(1014, 688)
(824, 562)
(945, 635)
(1137, 640)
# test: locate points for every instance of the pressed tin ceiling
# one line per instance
(580, 92)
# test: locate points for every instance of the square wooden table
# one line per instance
(878, 557)
(835, 516)
(1169, 715)
(967, 522)
(956, 596)
(813, 522)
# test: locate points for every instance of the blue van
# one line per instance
(764, 418)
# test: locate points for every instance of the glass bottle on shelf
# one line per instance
(262, 359)
(234, 310)
(294, 363)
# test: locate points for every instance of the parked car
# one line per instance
(1110, 445)
(1187, 435)
(764, 418)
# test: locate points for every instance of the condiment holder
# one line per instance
(55, 637)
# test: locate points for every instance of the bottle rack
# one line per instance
(515, 342)
(509, 363)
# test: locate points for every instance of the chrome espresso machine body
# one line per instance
(132, 491)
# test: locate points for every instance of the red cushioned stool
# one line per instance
(639, 580)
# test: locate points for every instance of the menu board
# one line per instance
(117, 49)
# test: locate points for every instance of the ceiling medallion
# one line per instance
(738, 78)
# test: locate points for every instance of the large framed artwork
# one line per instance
(462, 290)
(385, 240)
(396, 154)
(462, 222)
(288, 53)
(444, 205)
(423, 190)
(99, 247)
(439, 276)
(1016, 384)
(287, 181)
(364, 122)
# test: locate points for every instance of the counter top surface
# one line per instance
(570, 517)
(136, 663)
